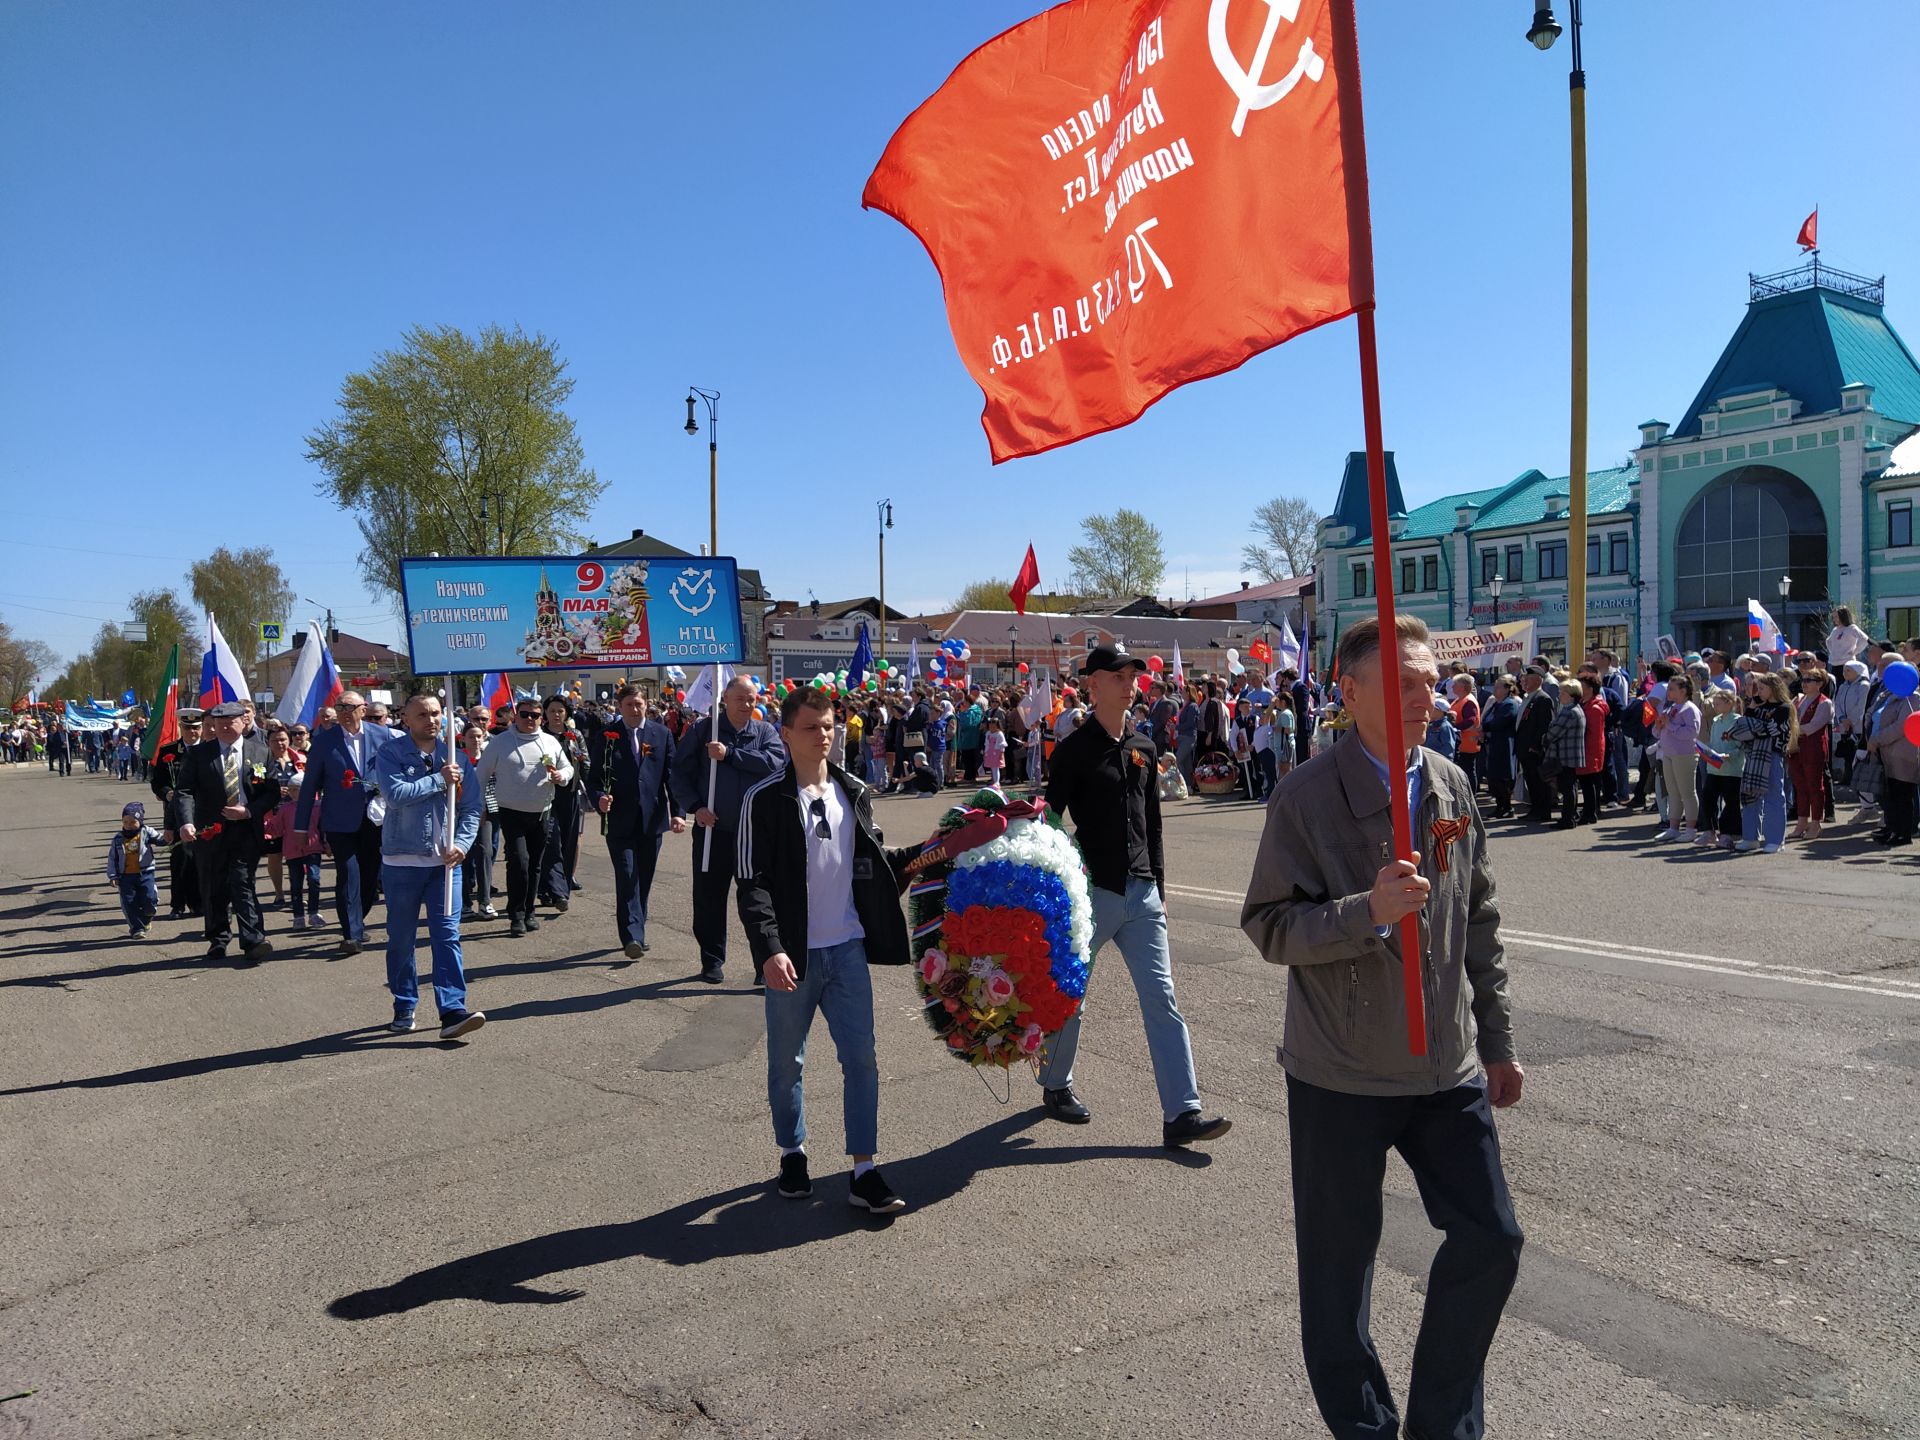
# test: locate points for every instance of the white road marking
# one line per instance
(1888, 986)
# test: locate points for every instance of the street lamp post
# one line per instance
(1542, 33)
(1786, 584)
(712, 397)
(1493, 589)
(1013, 649)
(883, 522)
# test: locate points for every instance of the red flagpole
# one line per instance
(1353, 145)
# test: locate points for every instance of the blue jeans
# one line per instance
(836, 984)
(408, 888)
(1765, 819)
(1137, 923)
(139, 898)
(303, 883)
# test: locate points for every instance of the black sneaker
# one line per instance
(532, 921)
(1065, 1105)
(456, 1023)
(517, 928)
(254, 954)
(870, 1193)
(1191, 1127)
(559, 904)
(795, 1184)
(710, 973)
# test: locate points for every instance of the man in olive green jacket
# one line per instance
(1326, 900)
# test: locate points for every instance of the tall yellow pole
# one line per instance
(1577, 449)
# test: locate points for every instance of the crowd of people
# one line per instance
(112, 749)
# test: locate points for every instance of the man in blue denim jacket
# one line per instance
(417, 847)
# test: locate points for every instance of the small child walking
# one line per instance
(996, 751)
(131, 865)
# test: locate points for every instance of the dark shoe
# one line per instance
(402, 1022)
(531, 920)
(345, 948)
(635, 949)
(1065, 1105)
(870, 1193)
(795, 1184)
(456, 1023)
(254, 954)
(710, 972)
(575, 885)
(217, 955)
(1564, 824)
(1881, 837)
(559, 904)
(518, 928)
(1893, 842)
(1192, 1127)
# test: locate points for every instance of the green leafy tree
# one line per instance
(1285, 530)
(1122, 555)
(22, 662)
(169, 623)
(242, 588)
(997, 595)
(457, 443)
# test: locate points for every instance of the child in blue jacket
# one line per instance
(131, 865)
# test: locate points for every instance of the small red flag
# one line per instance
(1122, 196)
(1025, 583)
(1809, 238)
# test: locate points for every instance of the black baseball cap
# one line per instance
(1111, 657)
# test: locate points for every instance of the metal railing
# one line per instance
(1815, 276)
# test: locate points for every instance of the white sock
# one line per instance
(861, 1167)
(787, 1150)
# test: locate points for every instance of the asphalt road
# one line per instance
(232, 1205)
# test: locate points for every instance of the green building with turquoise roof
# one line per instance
(1778, 483)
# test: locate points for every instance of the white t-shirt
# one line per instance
(831, 916)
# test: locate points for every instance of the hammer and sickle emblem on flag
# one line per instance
(1445, 832)
(1245, 83)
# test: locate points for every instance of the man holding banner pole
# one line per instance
(713, 769)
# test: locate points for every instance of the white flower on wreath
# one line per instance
(1040, 846)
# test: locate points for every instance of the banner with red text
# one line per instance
(1122, 196)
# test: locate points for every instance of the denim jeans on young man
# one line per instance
(1765, 819)
(1137, 923)
(837, 985)
(408, 888)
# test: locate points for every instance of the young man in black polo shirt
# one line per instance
(1104, 776)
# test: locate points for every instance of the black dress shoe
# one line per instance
(710, 973)
(1065, 1105)
(634, 949)
(216, 956)
(1192, 1127)
(531, 920)
(517, 928)
(254, 954)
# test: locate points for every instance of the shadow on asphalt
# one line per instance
(746, 1220)
(347, 1041)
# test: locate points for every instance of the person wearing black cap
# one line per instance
(1103, 775)
(183, 876)
(221, 795)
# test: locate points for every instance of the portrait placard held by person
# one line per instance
(1326, 901)
(222, 793)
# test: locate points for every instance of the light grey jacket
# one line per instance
(1329, 832)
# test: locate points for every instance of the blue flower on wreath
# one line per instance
(1003, 884)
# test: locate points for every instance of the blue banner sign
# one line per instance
(569, 613)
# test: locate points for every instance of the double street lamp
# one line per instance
(712, 397)
(1542, 33)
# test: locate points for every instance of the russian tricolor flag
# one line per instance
(221, 678)
(314, 683)
(1761, 630)
(1713, 758)
(495, 691)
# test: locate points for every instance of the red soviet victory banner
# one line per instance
(1122, 196)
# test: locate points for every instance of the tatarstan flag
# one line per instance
(163, 723)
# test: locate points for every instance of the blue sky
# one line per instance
(218, 210)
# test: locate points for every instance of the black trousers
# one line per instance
(712, 895)
(356, 877)
(227, 865)
(1500, 786)
(1539, 792)
(635, 856)
(970, 763)
(183, 879)
(523, 835)
(563, 844)
(1339, 1145)
(1899, 801)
